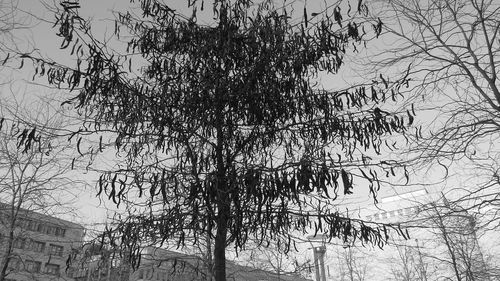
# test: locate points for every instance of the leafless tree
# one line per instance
(409, 263)
(456, 243)
(12, 19)
(404, 269)
(34, 179)
(352, 265)
(451, 50)
(275, 260)
(8, 23)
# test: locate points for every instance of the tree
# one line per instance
(456, 231)
(12, 20)
(352, 266)
(412, 264)
(273, 259)
(223, 130)
(451, 49)
(8, 23)
(35, 179)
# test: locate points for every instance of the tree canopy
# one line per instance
(223, 128)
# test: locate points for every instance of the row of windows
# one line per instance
(84, 271)
(34, 266)
(38, 246)
(152, 274)
(32, 225)
(395, 213)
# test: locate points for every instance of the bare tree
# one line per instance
(8, 23)
(275, 260)
(457, 246)
(451, 49)
(35, 179)
(12, 19)
(352, 265)
(409, 263)
(404, 269)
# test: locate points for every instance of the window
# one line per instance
(14, 264)
(38, 246)
(51, 230)
(60, 232)
(19, 243)
(32, 266)
(52, 269)
(56, 250)
(40, 228)
(383, 215)
(20, 222)
(32, 225)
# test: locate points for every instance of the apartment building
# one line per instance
(164, 265)
(41, 245)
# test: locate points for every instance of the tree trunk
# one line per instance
(10, 241)
(220, 243)
(6, 258)
(223, 202)
(208, 258)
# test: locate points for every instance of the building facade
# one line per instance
(40, 246)
(164, 265)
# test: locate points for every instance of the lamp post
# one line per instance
(319, 257)
(319, 262)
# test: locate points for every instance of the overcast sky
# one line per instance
(43, 37)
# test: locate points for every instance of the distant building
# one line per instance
(397, 208)
(338, 261)
(164, 265)
(41, 245)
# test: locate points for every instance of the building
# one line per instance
(41, 245)
(443, 244)
(164, 265)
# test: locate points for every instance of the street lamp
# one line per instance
(319, 256)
